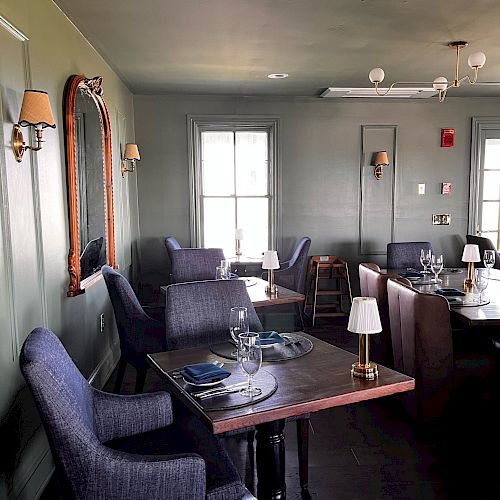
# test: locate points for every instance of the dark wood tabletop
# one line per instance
(487, 315)
(320, 380)
(257, 292)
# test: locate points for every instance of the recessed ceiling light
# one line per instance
(276, 76)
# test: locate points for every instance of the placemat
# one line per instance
(295, 346)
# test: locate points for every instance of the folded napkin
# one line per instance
(233, 276)
(204, 373)
(270, 337)
(410, 274)
(449, 292)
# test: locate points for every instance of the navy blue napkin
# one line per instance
(204, 373)
(410, 274)
(449, 292)
(270, 337)
(233, 276)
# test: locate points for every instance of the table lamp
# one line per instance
(270, 262)
(470, 255)
(365, 321)
(238, 237)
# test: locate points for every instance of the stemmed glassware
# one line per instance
(249, 361)
(437, 266)
(489, 259)
(238, 322)
(481, 282)
(425, 260)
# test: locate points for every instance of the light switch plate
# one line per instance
(441, 219)
(421, 189)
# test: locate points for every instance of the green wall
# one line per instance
(34, 239)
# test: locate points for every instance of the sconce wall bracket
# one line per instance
(18, 144)
(127, 169)
(378, 172)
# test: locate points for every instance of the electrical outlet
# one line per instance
(101, 322)
(441, 219)
(421, 189)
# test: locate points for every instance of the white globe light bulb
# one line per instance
(376, 75)
(476, 60)
(440, 83)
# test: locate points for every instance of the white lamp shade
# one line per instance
(238, 235)
(376, 75)
(132, 152)
(270, 260)
(364, 317)
(440, 83)
(471, 254)
(477, 60)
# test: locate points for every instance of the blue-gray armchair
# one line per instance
(406, 254)
(195, 264)
(108, 446)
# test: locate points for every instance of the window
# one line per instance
(485, 180)
(234, 184)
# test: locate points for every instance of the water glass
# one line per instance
(249, 361)
(238, 322)
(480, 282)
(425, 260)
(437, 266)
(221, 273)
(226, 264)
(489, 258)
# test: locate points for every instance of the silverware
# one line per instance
(217, 389)
(222, 392)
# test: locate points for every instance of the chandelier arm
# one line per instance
(442, 94)
(383, 94)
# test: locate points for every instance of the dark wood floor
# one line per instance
(371, 451)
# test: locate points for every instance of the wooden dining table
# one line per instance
(256, 288)
(475, 315)
(320, 380)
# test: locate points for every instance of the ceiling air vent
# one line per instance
(398, 93)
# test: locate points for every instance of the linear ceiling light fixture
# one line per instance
(476, 61)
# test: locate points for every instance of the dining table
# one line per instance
(473, 314)
(256, 288)
(319, 380)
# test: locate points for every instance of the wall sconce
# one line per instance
(131, 154)
(380, 160)
(35, 111)
(270, 262)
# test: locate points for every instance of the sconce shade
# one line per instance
(364, 316)
(132, 152)
(381, 158)
(238, 235)
(471, 254)
(36, 110)
(270, 260)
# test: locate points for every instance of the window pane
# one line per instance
(217, 163)
(218, 224)
(492, 153)
(489, 220)
(253, 218)
(251, 163)
(491, 185)
(493, 237)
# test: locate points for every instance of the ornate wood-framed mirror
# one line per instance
(87, 132)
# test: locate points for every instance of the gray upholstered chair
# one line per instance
(171, 244)
(90, 260)
(484, 244)
(108, 446)
(406, 254)
(195, 264)
(139, 334)
(292, 273)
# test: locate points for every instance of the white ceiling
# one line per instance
(229, 46)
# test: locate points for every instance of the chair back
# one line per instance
(294, 277)
(483, 244)
(90, 260)
(406, 254)
(64, 400)
(197, 313)
(422, 346)
(195, 264)
(171, 244)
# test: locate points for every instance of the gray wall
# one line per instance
(34, 232)
(320, 170)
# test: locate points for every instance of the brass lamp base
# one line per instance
(368, 372)
(469, 281)
(272, 290)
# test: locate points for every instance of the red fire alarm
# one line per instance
(447, 137)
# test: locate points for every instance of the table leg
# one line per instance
(271, 461)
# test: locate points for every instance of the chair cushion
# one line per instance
(189, 435)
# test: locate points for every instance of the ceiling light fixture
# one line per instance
(277, 76)
(476, 61)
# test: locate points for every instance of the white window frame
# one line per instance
(199, 124)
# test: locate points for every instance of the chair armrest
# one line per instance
(119, 416)
(121, 475)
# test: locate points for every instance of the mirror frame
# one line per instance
(93, 88)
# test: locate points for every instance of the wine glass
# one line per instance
(489, 259)
(425, 259)
(480, 282)
(437, 266)
(249, 361)
(238, 322)
(221, 273)
(226, 264)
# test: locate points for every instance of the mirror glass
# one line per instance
(90, 184)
